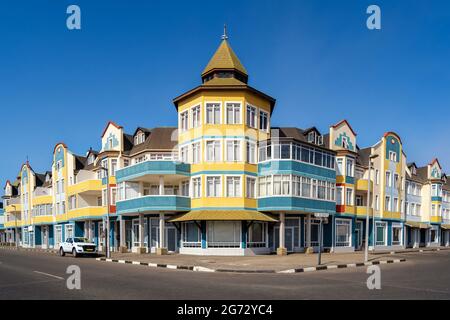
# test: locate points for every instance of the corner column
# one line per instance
(281, 250)
(122, 236)
(161, 250)
(141, 248)
(309, 248)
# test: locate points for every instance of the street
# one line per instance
(31, 275)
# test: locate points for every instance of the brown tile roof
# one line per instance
(161, 139)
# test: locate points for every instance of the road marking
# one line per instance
(49, 275)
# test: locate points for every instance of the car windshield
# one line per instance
(82, 240)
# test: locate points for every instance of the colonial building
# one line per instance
(224, 181)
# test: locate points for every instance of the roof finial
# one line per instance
(224, 36)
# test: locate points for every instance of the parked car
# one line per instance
(77, 246)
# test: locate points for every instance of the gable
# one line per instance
(342, 137)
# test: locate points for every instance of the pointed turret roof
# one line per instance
(224, 59)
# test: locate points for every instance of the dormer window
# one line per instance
(345, 142)
(319, 141)
(91, 159)
(393, 156)
(413, 170)
(311, 137)
(139, 138)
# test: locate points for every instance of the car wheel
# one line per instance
(61, 252)
(74, 252)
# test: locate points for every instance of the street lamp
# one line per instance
(366, 249)
(321, 217)
(15, 223)
(108, 254)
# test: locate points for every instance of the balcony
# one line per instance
(44, 199)
(44, 219)
(295, 167)
(91, 186)
(435, 219)
(152, 167)
(295, 204)
(13, 208)
(362, 211)
(362, 185)
(154, 203)
(86, 213)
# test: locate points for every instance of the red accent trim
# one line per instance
(59, 143)
(435, 160)
(112, 209)
(107, 125)
(392, 132)
(340, 208)
(348, 124)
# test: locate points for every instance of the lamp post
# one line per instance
(15, 223)
(107, 244)
(366, 249)
(321, 217)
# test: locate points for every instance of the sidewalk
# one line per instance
(260, 264)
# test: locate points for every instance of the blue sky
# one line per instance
(131, 58)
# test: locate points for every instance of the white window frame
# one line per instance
(214, 177)
(248, 122)
(196, 121)
(214, 120)
(234, 105)
(216, 158)
(236, 155)
(237, 180)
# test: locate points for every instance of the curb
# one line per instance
(342, 266)
(158, 265)
(29, 249)
(423, 250)
(204, 269)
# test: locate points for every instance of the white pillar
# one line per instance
(308, 231)
(122, 232)
(162, 225)
(161, 185)
(282, 231)
(141, 230)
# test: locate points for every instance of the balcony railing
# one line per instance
(154, 203)
(93, 185)
(152, 167)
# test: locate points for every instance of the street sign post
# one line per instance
(321, 217)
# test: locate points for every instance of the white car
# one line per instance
(77, 246)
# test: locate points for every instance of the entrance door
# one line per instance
(423, 238)
(288, 238)
(45, 236)
(171, 239)
(359, 234)
(170, 236)
(31, 238)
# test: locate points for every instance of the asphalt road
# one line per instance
(30, 275)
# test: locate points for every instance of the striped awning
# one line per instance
(223, 215)
(419, 225)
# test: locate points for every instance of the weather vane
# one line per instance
(224, 36)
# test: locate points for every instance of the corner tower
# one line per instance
(220, 123)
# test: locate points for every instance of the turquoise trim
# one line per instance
(395, 147)
(153, 203)
(439, 199)
(159, 167)
(114, 144)
(338, 141)
(60, 156)
(295, 204)
(248, 173)
(296, 167)
(349, 180)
